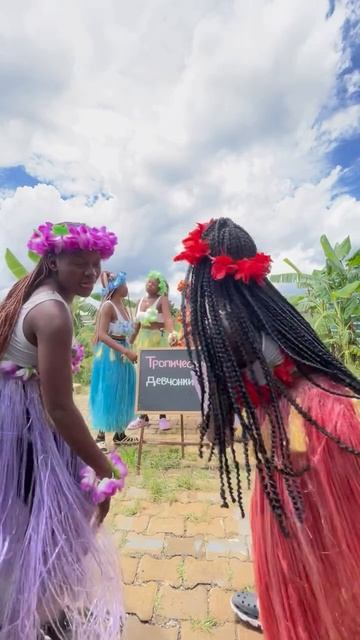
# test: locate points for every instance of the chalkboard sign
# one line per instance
(165, 382)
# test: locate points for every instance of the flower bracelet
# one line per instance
(173, 338)
(101, 490)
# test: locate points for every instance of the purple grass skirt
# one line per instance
(53, 561)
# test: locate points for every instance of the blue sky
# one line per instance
(13, 177)
(162, 122)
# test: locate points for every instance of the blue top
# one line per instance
(122, 326)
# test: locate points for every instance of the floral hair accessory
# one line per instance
(78, 353)
(196, 249)
(101, 490)
(115, 281)
(246, 269)
(163, 286)
(56, 238)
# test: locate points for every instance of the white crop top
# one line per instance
(151, 314)
(19, 349)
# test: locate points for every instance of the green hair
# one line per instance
(163, 285)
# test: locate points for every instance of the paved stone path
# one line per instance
(181, 562)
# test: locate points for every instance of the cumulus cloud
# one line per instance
(149, 116)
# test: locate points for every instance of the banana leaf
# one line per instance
(14, 265)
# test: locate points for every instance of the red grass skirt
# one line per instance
(309, 584)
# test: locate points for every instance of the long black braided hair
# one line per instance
(227, 320)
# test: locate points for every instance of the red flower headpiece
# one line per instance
(246, 269)
(195, 249)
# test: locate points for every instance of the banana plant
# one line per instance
(330, 298)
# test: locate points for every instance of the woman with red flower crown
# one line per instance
(258, 359)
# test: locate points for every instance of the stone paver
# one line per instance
(241, 573)
(213, 527)
(244, 633)
(226, 548)
(232, 526)
(128, 567)
(136, 630)
(183, 509)
(140, 544)
(219, 607)
(140, 599)
(151, 508)
(180, 604)
(163, 570)
(182, 561)
(190, 631)
(132, 523)
(166, 525)
(184, 546)
(205, 572)
(134, 493)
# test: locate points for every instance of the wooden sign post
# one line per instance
(165, 385)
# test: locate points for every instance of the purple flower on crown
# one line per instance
(50, 238)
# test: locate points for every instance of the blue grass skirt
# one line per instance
(112, 390)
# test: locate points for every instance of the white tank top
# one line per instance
(19, 349)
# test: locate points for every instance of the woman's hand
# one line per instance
(131, 355)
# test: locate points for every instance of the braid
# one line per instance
(227, 320)
(17, 296)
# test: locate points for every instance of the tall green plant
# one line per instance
(330, 298)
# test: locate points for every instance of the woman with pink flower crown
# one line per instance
(58, 574)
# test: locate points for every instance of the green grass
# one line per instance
(186, 481)
(131, 509)
(157, 604)
(129, 456)
(181, 570)
(123, 538)
(195, 518)
(167, 458)
(206, 625)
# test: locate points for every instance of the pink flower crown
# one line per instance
(196, 249)
(56, 238)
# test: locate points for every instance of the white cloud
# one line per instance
(343, 123)
(180, 111)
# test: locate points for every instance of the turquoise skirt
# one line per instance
(112, 390)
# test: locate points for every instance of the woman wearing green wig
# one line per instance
(154, 328)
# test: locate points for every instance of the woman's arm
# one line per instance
(135, 334)
(106, 314)
(168, 319)
(137, 326)
(51, 324)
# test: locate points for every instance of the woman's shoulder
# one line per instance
(107, 308)
(50, 316)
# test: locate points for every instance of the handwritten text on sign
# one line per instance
(166, 382)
